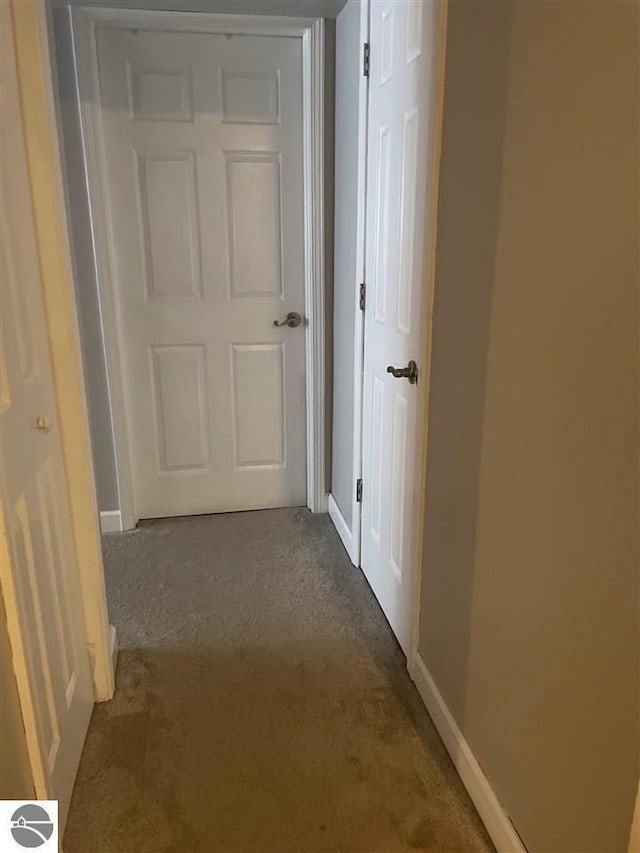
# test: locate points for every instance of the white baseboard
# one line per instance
(342, 527)
(634, 837)
(492, 814)
(111, 521)
(113, 638)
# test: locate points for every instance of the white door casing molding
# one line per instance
(429, 274)
(350, 536)
(311, 32)
(358, 350)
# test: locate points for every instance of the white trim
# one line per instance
(489, 807)
(88, 98)
(634, 834)
(312, 33)
(115, 648)
(340, 524)
(111, 521)
(314, 279)
(195, 22)
(358, 331)
(439, 53)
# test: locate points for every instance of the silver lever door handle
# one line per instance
(293, 319)
(409, 372)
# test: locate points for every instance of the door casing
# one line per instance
(351, 536)
(84, 22)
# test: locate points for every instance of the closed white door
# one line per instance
(38, 571)
(202, 149)
(398, 142)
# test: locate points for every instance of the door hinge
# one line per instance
(359, 491)
(365, 59)
(363, 297)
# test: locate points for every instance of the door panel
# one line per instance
(399, 90)
(39, 580)
(258, 405)
(170, 227)
(179, 386)
(202, 146)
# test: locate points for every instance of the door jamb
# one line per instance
(311, 31)
(429, 279)
(352, 536)
(361, 256)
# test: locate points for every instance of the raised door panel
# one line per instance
(170, 224)
(255, 223)
(387, 22)
(39, 654)
(382, 215)
(160, 94)
(407, 221)
(413, 38)
(376, 460)
(399, 451)
(258, 405)
(181, 422)
(250, 97)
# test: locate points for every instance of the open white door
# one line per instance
(38, 570)
(400, 91)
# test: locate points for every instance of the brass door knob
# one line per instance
(293, 320)
(409, 372)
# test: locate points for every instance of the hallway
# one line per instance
(262, 703)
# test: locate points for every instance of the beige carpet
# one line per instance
(262, 704)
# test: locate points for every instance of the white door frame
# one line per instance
(429, 276)
(361, 272)
(351, 536)
(311, 31)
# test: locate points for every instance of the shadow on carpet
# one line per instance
(262, 703)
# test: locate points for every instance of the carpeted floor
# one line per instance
(262, 704)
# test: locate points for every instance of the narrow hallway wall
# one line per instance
(529, 620)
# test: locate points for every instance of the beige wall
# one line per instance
(15, 775)
(529, 620)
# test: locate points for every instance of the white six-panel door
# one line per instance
(202, 149)
(398, 152)
(38, 571)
